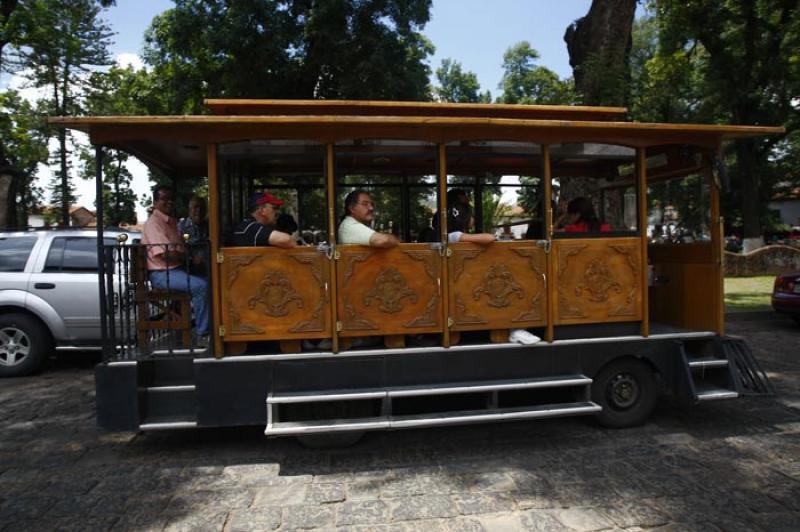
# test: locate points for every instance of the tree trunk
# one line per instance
(65, 195)
(751, 205)
(598, 46)
(7, 218)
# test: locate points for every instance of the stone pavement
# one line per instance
(733, 465)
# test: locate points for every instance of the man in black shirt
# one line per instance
(259, 228)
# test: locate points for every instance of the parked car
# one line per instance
(786, 295)
(48, 295)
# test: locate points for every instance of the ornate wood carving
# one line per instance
(565, 310)
(461, 316)
(534, 312)
(239, 262)
(427, 318)
(275, 293)
(353, 322)
(461, 256)
(598, 281)
(498, 283)
(389, 287)
(317, 320)
(237, 327)
(350, 261)
(629, 308)
(429, 261)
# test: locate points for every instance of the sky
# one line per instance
(475, 33)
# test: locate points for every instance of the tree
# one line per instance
(25, 145)
(527, 83)
(747, 55)
(60, 42)
(598, 46)
(289, 49)
(458, 86)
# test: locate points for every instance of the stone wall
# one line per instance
(769, 260)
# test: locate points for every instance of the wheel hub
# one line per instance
(623, 391)
(14, 346)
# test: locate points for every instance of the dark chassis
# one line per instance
(606, 370)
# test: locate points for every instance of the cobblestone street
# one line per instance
(731, 465)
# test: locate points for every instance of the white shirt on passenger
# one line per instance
(351, 231)
(455, 236)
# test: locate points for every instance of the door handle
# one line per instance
(44, 286)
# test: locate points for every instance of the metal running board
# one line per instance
(711, 393)
(432, 420)
(708, 362)
(167, 425)
(432, 389)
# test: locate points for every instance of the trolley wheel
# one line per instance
(24, 345)
(626, 389)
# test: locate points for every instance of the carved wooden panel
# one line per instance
(275, 294)
(597, 280)
(500, 286)
(389, 291)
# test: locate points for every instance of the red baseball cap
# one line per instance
(262, 198)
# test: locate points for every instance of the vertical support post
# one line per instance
(442, 172)
(330, 187)
(213, 236)
(717, 245)
(641, 180)
(101, 258)
(547, 199)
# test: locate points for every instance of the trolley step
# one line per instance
(713, 393)
(432, 420)
(708, 362)
(427, 390)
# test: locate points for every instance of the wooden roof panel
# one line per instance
(420, 109)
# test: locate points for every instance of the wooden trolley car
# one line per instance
(343, 338)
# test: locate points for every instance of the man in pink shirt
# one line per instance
(166, 256)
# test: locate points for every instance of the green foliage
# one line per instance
(458, 86)
(119, 201)
(728, 61)
(59, 43)
(346, 49)
(527, 83)
(24, 147)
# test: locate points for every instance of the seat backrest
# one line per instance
(138, 270)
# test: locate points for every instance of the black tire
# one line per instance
(25, 344)
(626, 389)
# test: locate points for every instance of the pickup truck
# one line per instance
(49, 295)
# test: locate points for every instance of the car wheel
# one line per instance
(626, 389)
(24, 345)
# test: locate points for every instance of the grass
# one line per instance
(748, 293)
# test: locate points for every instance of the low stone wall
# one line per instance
(769, 260)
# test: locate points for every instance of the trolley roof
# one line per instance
(177, 144)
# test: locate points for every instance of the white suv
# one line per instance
(49, 295)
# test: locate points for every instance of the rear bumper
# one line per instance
(786, 303)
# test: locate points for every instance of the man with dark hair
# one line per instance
(259, 228)
(359, 214)
(166, 256)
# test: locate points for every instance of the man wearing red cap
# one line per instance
(259, 228)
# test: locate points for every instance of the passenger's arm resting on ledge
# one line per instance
(171, 255)
(478, 238)
(383, 240)
(280, 239)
